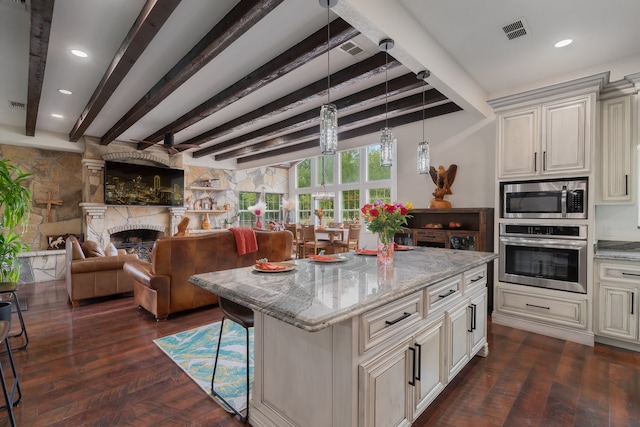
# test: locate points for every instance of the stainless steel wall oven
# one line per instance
(547, 256)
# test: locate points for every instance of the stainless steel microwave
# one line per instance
(545, 199)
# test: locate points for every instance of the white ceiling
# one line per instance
(460, 41)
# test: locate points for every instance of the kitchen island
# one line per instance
(349, 344)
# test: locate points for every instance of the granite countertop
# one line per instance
(615, 249)
(316, 295)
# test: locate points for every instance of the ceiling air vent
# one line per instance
(351, 48)
(516, 29)
(14, 105)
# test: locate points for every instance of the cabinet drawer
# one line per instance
(562, 311)
(432, 235)
(441, 294)
(381, 323)
(475, 278)
(619, 272)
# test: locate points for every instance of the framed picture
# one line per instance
(58, 241)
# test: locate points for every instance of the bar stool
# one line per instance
(9, 398)
(11, 288)
(243, 316)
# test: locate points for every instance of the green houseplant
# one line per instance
(15, 206)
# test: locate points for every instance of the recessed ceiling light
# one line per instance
(563, 43)
(57, 116)
(65, 91)
(79, 53)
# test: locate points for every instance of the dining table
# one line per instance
(331, 233)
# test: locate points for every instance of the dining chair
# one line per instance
(352, 240)
(293, 228)
(310, 243)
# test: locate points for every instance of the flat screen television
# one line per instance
(140, 185)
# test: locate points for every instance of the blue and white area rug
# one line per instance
(194, 351)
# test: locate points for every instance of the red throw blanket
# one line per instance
(245, 240)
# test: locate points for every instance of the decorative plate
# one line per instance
(367, 252)
(328, 259)
(287, 267)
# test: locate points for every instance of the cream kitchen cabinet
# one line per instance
(618, 150)
(399, 384)
(466, 326)
(618, 289)
(546, 139)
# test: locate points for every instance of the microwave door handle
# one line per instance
(563, 202)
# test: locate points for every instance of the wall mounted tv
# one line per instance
(140, 185)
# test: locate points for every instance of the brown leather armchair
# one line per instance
(90, 272)
(162, 287)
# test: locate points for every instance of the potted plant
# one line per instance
(15, 206)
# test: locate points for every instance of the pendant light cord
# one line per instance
(386, 88)
(424, 84)
(328, 58)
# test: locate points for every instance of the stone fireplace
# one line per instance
(107, 223)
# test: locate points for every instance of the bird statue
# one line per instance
(443, 179)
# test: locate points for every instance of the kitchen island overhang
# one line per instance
(325, 331)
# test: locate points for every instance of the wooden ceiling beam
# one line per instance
(41, 15)
(236, 23)
(416, 116)
(151, 18)
(359, 119)
(351, 75)
(303, 52)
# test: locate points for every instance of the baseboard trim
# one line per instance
(574, 335)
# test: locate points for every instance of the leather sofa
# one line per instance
(93, 272)
(162, 287)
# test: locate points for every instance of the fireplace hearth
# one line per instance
(136, 241)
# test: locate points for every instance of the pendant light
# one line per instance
(423, 146)
(386, 137)
(328, 112)
(323, 194)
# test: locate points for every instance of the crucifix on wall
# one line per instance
(49, 202)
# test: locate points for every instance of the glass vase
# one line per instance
(385, 250)
(258, 222)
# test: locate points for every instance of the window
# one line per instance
(303, 174)
(382, 194)
(304, 208)
(350, 166)
(246, 199)
(350, 205)
(375, 172)
(356, 178)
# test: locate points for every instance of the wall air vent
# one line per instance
(516, 29)
(14, 105)
(351, 48)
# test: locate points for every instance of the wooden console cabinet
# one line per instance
(476, 222)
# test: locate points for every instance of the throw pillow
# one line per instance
(111, 250)
(91, 249)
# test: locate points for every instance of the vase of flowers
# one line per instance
(319, 213)
(258, 209)
(385, 219)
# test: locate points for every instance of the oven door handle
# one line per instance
(545, 243)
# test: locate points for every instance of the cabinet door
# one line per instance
(618, 311)
(384, 389)
(430, 380)
(458, 324)
(478, 322)
(518, 143)
(617, 151)
(566, 136)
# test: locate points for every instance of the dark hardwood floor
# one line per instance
(96, 365)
